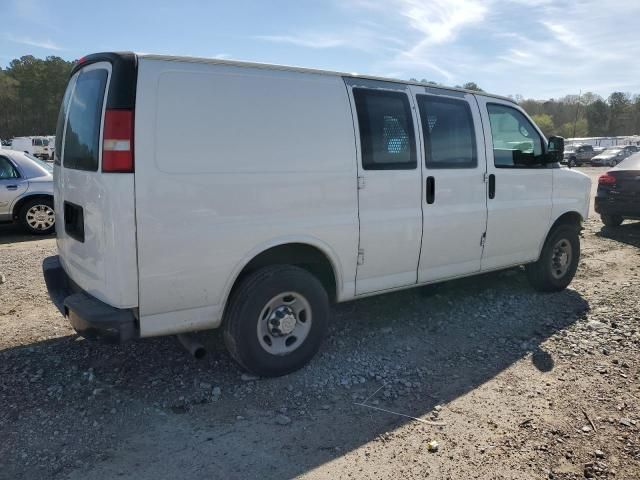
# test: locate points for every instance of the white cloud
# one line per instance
(439, 21)
(309, 40)
(45, 44)
(534, 47)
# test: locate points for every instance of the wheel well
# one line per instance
(302, 255)
(568, 218)
(23, 200)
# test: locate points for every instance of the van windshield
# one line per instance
(82, 136)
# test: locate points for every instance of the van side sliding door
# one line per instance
(389, 184)
(454, 192)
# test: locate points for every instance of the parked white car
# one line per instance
(36, 146)
(26, 192)
(290, 188)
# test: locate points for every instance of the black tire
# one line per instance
(542, 274)
(27, 223)
(251, 296)
(572, 162)
(611, 220)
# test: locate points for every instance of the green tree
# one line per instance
(620, 114)
(31, 91)
(576, 129)
(545, 122)
(470, 86)
(598, 118)
(635, 115)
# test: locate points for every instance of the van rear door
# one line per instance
(94, 204)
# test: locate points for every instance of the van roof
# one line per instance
(176, 58)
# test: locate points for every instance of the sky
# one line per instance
(535, 48)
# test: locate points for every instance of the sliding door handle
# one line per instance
(492, 186)
(431, 190)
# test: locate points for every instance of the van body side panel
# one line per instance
(230, 161)
(571, 193)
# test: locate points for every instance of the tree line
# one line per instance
(31, 91)
(583, 115)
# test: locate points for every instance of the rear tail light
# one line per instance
(117, 143)
(606, 179)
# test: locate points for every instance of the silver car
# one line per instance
(26, 192)
(610, 157)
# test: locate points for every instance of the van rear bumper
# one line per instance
(90, 317)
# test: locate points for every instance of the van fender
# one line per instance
(560, 216)
(325, 248)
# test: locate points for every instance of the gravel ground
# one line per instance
(508, 382)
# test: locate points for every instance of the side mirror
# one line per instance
(555, 150)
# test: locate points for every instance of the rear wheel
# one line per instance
(558, 261)
(276, 320)
(37, 216)
(611, 220)
(572, 162)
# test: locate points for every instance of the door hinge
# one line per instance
(485, 177)
(360, 183)
(483, 239)
(361, 256)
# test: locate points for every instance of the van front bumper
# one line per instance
(90, 317)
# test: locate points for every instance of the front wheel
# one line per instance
(572, 162)
(558, 261)
(276, 320)
(37, 216)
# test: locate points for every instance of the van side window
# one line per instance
(516, 143)
(7, 170)
(82, 139)
(447, 126)
(386, 130)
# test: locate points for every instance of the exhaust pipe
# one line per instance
(191, 345)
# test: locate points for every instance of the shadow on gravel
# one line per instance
(13, 233)
(404, 352)
(628, 232)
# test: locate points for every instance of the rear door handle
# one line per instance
(431, 190)
(492, 186)
(12, 187)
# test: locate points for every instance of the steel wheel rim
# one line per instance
(284, 323)
(561, 257)
(41, 217)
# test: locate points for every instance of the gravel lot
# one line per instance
(510, 383)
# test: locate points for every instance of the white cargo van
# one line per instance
(291, 188)
(36, 146)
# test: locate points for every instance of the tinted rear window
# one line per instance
(630, 163)
(82, 137)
